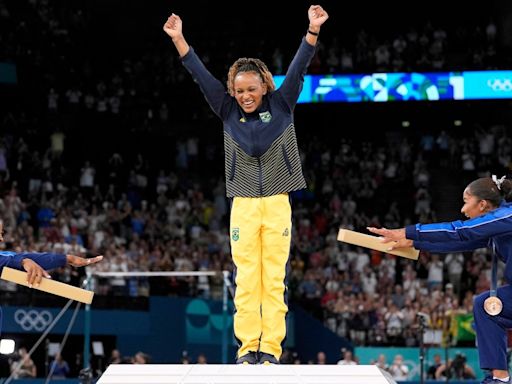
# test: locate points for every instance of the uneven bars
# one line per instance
(156, 273)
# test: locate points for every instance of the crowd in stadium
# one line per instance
(147, 214)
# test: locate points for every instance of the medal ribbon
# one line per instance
(494, 272)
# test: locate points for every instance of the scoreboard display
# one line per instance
(399, 86)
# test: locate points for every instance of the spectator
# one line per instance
(431, 371)
(23, 366)
(381, 363)
(321, 359)
(141, 358)
(59, 367)
(398, 370)
(115, 357)
(201, 359)
(348, 359)
(457, 369)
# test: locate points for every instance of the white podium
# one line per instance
(243, 374)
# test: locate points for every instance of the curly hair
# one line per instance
(246, 64)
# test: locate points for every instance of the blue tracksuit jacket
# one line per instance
(261, 153)
(492, 228)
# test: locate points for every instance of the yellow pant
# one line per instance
(260, 245)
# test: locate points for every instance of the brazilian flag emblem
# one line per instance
(265, 116)
(235, 234)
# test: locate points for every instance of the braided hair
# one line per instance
(486, 189)
(246, 64)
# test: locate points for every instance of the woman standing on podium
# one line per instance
(489, 211)
(262, 165)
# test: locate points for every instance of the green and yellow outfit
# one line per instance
(262, 165)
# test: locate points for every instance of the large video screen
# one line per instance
(382, 87)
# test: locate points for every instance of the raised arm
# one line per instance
(396, 240)
(36, 264)
(449, 246)
(212, 88)
(480, 228)
(317, 16)
(174, 28)
(493, 223)
(292, 84)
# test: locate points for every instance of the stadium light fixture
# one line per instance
(7, 346)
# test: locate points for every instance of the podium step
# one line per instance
(242, 374)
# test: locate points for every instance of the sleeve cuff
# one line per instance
(61, 260)
(15, 262)
(307, 45)
(45, 260)
(188, 55)
(411, 233)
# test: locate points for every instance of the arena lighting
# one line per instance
(457, 123)
(7, 346)
(406, 123)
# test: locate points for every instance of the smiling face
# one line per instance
(249, 91)
(474, 206)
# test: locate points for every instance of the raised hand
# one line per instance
(317, 15)
(173, 26)
(77, 261)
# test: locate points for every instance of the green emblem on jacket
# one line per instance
(235, 234)
(265, 117)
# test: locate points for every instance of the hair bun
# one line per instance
(506, 189)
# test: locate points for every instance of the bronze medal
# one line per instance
(493, 305)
